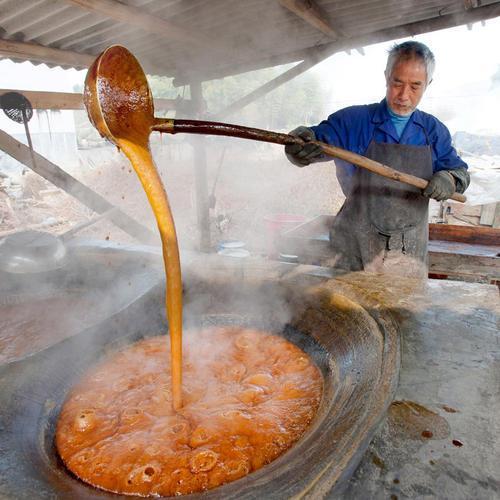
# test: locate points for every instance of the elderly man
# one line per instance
(383, 224)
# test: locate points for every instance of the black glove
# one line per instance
(303, 154)
(462, 179)
(441, 186)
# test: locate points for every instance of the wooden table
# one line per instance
(468, 253)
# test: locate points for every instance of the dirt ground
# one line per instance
(249, 182)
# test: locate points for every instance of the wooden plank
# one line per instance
(74, 187)
(496, 219)
(487, 214)
(459, 248)
(39, 53)
(311, 14)
(49, 100)
(464, 234)
(444, 232)
(127, 14)
(69, 100)
(472, 268)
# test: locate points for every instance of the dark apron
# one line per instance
(383, 225)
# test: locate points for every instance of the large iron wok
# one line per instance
(355, 344)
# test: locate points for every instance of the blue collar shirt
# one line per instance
(353, 128)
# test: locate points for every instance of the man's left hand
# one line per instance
(441, 186)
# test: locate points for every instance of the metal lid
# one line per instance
(31, 252)
(285, 257)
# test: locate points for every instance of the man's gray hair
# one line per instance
(411, 50)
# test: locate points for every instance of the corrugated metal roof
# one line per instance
(227, 35)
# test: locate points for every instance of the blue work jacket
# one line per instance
(353, 128)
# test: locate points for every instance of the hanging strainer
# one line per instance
(18, 108)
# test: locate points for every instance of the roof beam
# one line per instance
(136, 17)
(48, 100)
(266, 88)
(38, 53)
(69, 100)
(311, 14)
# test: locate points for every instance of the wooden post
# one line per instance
(72, 186)
(200, 165)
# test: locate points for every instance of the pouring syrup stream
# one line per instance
(120, 106)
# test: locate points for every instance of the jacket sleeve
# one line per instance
(332, 130)
(447, 158)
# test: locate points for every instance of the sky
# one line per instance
(461, 94)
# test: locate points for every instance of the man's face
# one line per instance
(406, 86)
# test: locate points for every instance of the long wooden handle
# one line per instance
(380, 168)
(215, 128)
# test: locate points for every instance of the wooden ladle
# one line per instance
(215, 128)
(142, 95)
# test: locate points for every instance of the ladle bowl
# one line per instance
(118, 98)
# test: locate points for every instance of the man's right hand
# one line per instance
(303, 154)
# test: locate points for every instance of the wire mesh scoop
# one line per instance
(19, 109)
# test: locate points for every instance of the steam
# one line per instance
(40, 310)
(253, 182)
